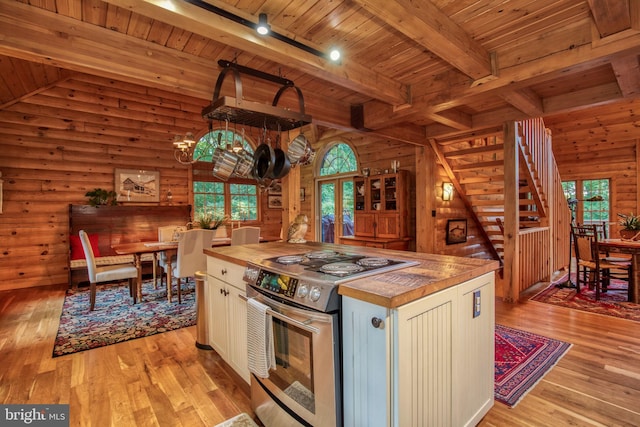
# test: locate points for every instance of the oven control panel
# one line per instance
(277, 283)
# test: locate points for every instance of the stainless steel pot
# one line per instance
(224, 163)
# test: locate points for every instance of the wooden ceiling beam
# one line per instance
(627, 74)
(426, 25)
(348, 74)
(34, 34)
(580, 99)
(452, 118)
(571, 60)
(610, 16)
(525, 100)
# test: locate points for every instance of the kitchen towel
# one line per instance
(261, 350)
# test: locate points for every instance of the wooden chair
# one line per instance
(245, 235)
(190, 257)
(596, 272)
(106, 273)
(168, 233)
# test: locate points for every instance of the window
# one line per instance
(236, 198)
(339, 159)
(336, 193)
(589, 200)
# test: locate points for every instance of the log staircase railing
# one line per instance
(510, 184)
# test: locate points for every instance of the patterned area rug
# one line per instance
(612, 303)
(522, 359)
(115, 319)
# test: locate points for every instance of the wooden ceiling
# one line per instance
(411, 70)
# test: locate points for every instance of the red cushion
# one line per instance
(77, 252)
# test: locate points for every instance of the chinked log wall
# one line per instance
(68, 138)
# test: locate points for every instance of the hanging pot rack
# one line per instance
(248, 113)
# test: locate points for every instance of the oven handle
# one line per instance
(288, 319)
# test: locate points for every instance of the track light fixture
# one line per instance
(263, 27)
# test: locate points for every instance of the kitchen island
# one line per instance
(418, 342)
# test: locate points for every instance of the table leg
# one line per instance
(634, 278)
(138, 260)
(155, 265)
(169, 279)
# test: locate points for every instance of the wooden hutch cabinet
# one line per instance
(381, 211)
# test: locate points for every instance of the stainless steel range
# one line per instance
(301, 292)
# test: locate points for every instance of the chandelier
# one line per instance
(184, 148)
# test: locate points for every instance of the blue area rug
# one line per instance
(522, 359)
(116, 319)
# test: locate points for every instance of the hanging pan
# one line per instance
(263, 161)
(281, 164)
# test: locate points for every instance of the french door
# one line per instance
(335, 205)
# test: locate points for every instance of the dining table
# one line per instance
(137, 249)
(628, 247)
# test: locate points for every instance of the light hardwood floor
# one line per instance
(165, 380)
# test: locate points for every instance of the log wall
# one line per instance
(68, 139)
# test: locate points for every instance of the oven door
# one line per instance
(304, 388)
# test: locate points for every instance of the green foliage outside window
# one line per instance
(223, 199)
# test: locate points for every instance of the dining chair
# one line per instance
(596, 271)
(168, 233)
(105, 273)
(245, 235)
(190, 257)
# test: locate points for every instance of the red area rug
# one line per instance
(522, 359)
(115, 319)
(612, 303)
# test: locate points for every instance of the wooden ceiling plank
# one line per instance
(348, 74)
(610, 16)
(426, 25)
(627, 74)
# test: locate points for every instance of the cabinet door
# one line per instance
(424, 353)
(388, 225)
(365, 364)
(218, 318)
(237, 327)
(360, 194)
(473, 381)
(365, 224)
(376, 189)
(390, 193)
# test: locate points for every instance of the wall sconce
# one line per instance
(447, 191)
(183, 148)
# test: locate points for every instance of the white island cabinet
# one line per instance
(429, 362)
(227, 313)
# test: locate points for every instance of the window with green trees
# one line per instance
(236, 198)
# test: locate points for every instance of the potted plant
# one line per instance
(99, 196)
(209, 221)
(630, 226)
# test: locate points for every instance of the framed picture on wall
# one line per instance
(137, 185)
(456, 231)
(274, 202)
(275, 188)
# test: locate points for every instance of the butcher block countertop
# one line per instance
(391, 289)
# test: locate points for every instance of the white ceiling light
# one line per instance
(263, 27)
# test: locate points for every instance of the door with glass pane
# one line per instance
(336, 209)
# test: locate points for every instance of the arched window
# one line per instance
(335, 191)
(339, 159)
(236, 198)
